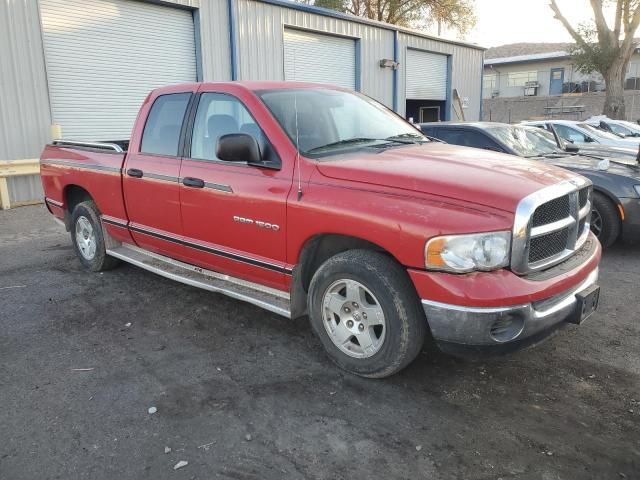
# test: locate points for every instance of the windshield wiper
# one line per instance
(346, 141)
(405, 136)
(356, 140)
(548, 154)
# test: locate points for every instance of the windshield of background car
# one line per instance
(620, 129)
(336, 121)
(597, 132)
(634, 127)
(526, 142)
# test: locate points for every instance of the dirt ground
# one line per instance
(244, 394)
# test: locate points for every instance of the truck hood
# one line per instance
(472, 175)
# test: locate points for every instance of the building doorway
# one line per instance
(557, 79)
(424, 111)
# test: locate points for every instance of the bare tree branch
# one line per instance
(618, 20)
(627, 43)
(604, 34)
(558, 14)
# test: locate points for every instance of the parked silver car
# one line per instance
(584, 133)
(622, 128)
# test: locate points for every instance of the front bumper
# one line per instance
(497, 326)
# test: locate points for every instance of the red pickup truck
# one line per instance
(312, 200)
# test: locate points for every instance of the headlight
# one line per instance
(466, 253)
(637, 187)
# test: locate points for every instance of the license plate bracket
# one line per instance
(588, 300)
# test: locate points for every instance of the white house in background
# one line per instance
(545, 74)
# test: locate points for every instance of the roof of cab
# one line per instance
(248, 85)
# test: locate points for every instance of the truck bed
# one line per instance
(69, 169)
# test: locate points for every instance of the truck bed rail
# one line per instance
(96, 145)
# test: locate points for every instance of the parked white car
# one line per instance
(583, 133)
(619, 127)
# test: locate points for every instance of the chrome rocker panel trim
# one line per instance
(270, 299)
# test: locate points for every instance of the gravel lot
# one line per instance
(244, 394)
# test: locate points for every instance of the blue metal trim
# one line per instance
(481, 112)
(396, 53)
(233, 48)
(447, 102)
(352, 18)
(198, 44)
(358, 65)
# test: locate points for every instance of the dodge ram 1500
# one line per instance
(313, 200)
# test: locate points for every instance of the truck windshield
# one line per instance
(525, 141)
(331, 122)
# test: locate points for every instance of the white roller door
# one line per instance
(311, 57)
(104, 56)
(426, 75)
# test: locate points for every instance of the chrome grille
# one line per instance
(548, 245)
(551, 225)
(551, 211)
(583, 196)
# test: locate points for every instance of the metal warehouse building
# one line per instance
(79, 69)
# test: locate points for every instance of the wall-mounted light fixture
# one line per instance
(387, 63)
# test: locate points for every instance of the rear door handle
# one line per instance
(134, 172)
(193, 182)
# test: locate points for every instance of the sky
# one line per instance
(510, 21)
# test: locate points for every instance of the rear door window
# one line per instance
(161, 135)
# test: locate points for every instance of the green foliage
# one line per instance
(591, 55)
(457, 15)
(338, 5)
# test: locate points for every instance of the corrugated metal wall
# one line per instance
(214, 39)
(25, 115)
(24, 189)
(466, 70)
(24, 101)
(260, 44)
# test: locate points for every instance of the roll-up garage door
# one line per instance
(312, 57)
(426, 75)
(104, 56)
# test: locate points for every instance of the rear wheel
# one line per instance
(364, 309)
(88, 238)
(605, 221)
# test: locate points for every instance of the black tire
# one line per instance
(607, 227)
(404, 317)
(100, 261)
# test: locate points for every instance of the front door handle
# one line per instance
(134, 172)
(193, 182)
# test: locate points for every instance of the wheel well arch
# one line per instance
(609, 196)
(315, 251)
(72, 195)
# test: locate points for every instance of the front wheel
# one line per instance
(365, 311)
(88, 238)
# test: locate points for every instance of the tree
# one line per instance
(457, 15)
(606, 50)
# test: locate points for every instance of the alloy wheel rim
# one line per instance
(353, 318)
(596, 223)
(85, 238)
